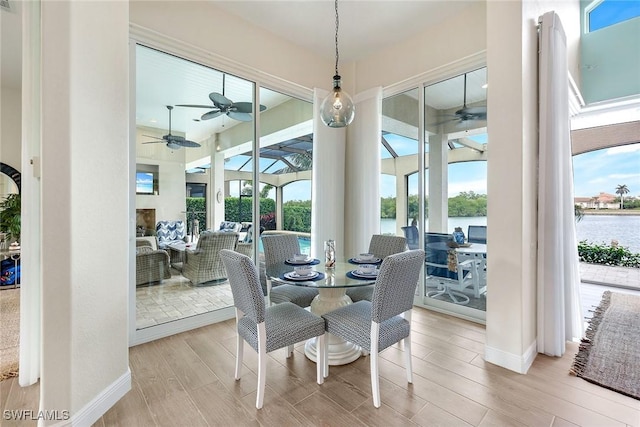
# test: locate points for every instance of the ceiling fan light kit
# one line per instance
(337, 109)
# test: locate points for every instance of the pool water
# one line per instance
(304, 242)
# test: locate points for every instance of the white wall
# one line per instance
(10, 117)
(85, 177)
(170, 202)
(452, 39)
(206, 27)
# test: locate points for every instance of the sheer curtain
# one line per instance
(559, 312)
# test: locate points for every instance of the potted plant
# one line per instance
(10, 216)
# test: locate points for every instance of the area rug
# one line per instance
(9, 332)
(609, 354)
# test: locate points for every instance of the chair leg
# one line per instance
(239, 354)
(407, 350)
(375, 381)
(269, 293)
(407, 359)
(262, 364)
(289, 351)
(325, 355)
(320, 356)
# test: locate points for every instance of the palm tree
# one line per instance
(622, 189)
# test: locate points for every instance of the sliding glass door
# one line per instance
(444, 196)
(199, 168)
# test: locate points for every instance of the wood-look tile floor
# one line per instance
(187, 380)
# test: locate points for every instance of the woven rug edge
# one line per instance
(580, 361)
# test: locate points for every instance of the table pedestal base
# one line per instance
(340, 352)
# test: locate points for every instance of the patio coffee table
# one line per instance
(178, 252)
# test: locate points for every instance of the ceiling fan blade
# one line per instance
(220, 100)
(154, 137)
(195, 106)
(473, 110)
(155, 142)
(243, 117)
(186, 143)
(181, 141)
(210, 115)
(242, 107)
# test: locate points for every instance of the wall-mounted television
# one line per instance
(144, 183)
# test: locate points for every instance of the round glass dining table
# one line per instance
(332, 286)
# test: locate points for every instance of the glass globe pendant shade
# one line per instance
(337, 109)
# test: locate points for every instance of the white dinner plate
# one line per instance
(373, 260)
(301, 262)
(358, 273)
(292, 275)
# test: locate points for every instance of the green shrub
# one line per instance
(10, 216)
(608, 255)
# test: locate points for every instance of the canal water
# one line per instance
(600, 229)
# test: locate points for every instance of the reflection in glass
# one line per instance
(215, 110)
(456, 142)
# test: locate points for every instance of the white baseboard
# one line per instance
(181, 325)
(100, 404)
(513, 362)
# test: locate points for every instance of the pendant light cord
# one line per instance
(337, 25)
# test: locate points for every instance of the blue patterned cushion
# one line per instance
(169, 232)
(229, 226)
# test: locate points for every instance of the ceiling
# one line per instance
(365, 26)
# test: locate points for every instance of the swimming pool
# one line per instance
(304, 242)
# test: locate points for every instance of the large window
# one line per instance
(604, 13)
(195, 127)
(451, 187)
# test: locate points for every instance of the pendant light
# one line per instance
(337, 109)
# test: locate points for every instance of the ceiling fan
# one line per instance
(466, 114)
(222, 105)
(173, 141)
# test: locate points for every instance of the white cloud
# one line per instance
(478, 186)
(623, 149)
(624, 176)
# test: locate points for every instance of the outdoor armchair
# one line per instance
(151, 265)
(204, 263)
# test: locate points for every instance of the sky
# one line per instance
(594, 172)
(603, 170)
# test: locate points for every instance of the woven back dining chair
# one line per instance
(385, 320)
(267, 329)
(277, 249)
(381, 246)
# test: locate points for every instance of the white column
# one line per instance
(438, 183)
(327, 201)
(362, 173)
(217, 185)
(86, 214)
